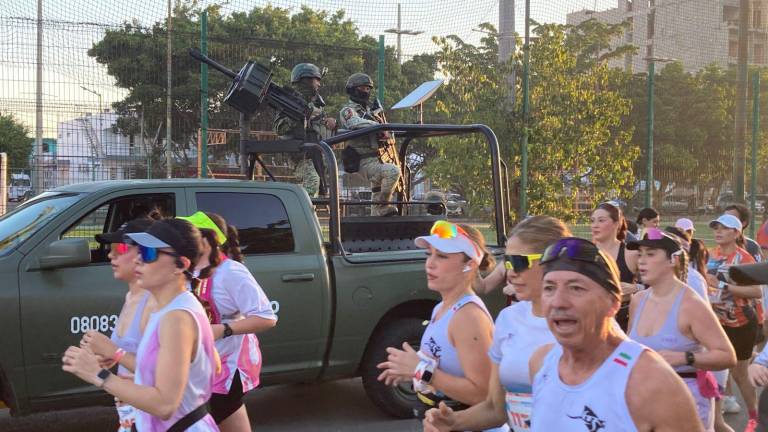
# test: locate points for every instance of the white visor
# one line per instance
(148, 240)
(460, 243)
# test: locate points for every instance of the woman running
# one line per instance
(520, 329)
(237, 309)
(734, 305)
(452, 363)
(673, 320)
(608, 233)
(648, 218)
(121, 348)
(176, 359)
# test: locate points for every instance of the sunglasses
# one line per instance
(150, 254)
(576, 249)
(520, 263)
(119, 248)
(447, 230)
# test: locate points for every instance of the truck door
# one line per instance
(281, 246)
(59, 305)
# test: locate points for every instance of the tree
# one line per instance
(15, 141)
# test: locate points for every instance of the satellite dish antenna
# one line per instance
(418, 96)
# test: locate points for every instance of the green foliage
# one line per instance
(15, 141)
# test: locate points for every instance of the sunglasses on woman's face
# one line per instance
(118, 249)
(150, 254)
(520, 263)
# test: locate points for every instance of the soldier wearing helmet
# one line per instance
(305, 80)
(357, 114)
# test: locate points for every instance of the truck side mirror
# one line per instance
(70, 252)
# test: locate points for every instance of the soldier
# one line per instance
(357, 114)
(305, 80)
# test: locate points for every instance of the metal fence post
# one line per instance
(203, 155)
(649, 182)
(755, 139)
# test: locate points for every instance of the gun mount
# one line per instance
(253, 86)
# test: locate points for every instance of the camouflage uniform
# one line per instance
(313, 130)
(383, 176)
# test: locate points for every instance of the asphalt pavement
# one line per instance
(339, 406)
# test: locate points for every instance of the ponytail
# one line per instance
(232, 246)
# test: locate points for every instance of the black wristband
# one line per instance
(227, 331)
(690, 358)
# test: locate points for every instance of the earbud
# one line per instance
(466, 269)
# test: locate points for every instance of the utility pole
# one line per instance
(507, 41)
(169, 56)
(650, 183)
(399, 31)
(37, 172)
(740, 117)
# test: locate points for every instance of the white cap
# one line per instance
(460, 243)
(685, 224)
(728, 221)
(147, 240)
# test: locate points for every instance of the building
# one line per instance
(695, 32)
(89, 148)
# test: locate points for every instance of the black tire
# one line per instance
(396, 401)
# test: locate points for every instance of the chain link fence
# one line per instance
(100, 112)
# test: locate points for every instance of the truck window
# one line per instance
(25, 220)
(260, 219)
(110, 215)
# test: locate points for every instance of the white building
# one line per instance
(89, 148)
(695, 32)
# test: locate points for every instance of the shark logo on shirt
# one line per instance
(434, 348)
(592, 422)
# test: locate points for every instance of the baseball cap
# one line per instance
(448, 237)
(132, 226)
(749, 274)
(728, 221)
(202, 221)
(657, 239)
(685, 224)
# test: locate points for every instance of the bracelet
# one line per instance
(424, 372)
(118, 355)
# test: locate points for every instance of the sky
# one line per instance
(72, 26)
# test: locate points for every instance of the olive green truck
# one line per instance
(342, 293)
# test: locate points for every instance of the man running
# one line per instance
(596, 379)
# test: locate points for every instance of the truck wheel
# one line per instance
(398, 401)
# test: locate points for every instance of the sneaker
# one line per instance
(751, 426)
(730, 405)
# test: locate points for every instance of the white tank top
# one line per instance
(596, 405)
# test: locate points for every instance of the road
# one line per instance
(339, 406)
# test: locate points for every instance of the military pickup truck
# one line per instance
(342, 293)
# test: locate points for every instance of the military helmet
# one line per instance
(358, 79)
(305, 70)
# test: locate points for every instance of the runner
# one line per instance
(120, 349)
(648, 218)
(176, 358)
(694, 278)
(595, 377)
(520, 329)
(734, 305)
(609, 229)
(451, 365)
(676, 322)
(237, 309)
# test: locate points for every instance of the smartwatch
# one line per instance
(103, 375)
(227, 331)
(690, 358)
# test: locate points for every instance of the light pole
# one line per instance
(399, 31)
(649, 181)
(98, 137)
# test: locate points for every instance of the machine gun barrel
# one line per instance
(197, 55)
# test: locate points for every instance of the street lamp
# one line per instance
(399, 31)
(649, 181)
(98, 137)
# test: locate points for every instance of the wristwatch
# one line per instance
(227, 331)
(690, 358)
(103, 375)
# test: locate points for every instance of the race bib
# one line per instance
(519, 411)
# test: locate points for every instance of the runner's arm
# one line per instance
(658, 400)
